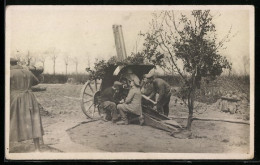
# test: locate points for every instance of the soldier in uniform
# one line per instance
(132, 103)
(25, 119)
(109, 98)
(164, 90)
(147, 90)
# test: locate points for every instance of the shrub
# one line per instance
(172, 80)
(55, 79)
(211, 91)
(62, 79)
(102, 66)
(79, 78)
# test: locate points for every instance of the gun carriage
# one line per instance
(90, 96)
(92, 89)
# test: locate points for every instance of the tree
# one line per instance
(66, 61)
(42, 59)
(246, 64)
(29, 59)
(88, 62)
(188, 46)
(54, 57)
(102, 66)
(53, 52)
(76, 61)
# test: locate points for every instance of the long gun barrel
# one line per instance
(119, 42)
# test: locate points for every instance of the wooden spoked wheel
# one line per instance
(90, 99)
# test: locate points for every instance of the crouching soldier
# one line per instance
(109, 99)
(164, 90)
(132, 103)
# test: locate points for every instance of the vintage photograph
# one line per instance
(129, 82)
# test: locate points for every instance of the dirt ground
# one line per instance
(68, 130)
(134, 138)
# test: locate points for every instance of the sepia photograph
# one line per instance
(129, 82)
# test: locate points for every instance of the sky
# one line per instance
(85, 32)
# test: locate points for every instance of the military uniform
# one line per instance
(109, 98)
(132, 102)
(164, 90)
(147, 90)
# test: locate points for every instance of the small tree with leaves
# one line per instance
(101, 66)
(187, 46)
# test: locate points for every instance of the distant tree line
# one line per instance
(32, 58)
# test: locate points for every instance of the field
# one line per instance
(68, 130)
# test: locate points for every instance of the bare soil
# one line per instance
(206, 138)
(63, 117)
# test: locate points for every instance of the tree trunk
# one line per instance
(190, 118)
(66, 69)
(54, 67)
(191, 107)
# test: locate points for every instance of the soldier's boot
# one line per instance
(108, 116)
(103, 117)
(123, 122)
(115, 120)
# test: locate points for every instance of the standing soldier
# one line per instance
(147, 90)
(25, 119)
(164, 90)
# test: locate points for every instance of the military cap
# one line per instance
(13, 60)
(117, 84)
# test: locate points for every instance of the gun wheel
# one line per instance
(89, 99)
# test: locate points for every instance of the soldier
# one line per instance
(147, 90)
(164, 90)
(132, 103)
(14, 64)
(109, 99)
(25, 119)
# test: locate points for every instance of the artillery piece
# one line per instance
(90, 93)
